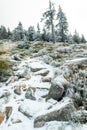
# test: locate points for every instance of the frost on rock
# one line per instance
(46, 89)
(30, 108)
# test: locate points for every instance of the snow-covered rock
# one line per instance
(60, 112)
(19, 87)
(60, 79)
(30, 94)
(58, 88)
(36, 66)
(33, 72)
(78, 61)
(5, 93)
(43, 72)
(56, 91)
(30, 108)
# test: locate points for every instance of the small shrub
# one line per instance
(23, 46)
(4, 69)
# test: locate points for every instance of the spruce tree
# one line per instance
(3, 32)
(31, 34)
(62, 26)
(18, 33)
(38, 35)
(70, 39)
(76, 37)
(48, 16)
(9, 33)
(83, 40)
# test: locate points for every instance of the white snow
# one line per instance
(37, 107)
(76, 60)
(34, 107)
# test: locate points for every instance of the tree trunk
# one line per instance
(52, 24)
(62, 35)
(53, 33)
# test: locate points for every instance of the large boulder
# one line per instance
(56, 91)
(58, 87)
(30, 108)
(63, 81)
(60, 112)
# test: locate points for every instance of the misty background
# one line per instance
(30, 12)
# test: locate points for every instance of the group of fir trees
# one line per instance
(59, 31)
(5, 33)
(55, 29)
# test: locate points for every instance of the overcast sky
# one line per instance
(29, 13)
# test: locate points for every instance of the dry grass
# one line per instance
(5, 48)
(5, 64)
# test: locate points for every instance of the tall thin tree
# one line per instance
(48, 16)
(62, 25)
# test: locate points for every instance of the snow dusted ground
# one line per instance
(29, 105)
(36, 68)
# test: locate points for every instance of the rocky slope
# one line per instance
(46, 88)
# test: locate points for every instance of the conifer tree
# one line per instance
(48, 16)
(62, 26)
(9, 33)
(76, 37)
(83, 40)
(18, 33)
(3, 32)
(31, 34)
(38, 35)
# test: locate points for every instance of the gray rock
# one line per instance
(24, 112)
(42, 52)
(30, 94)
(17, 58)
(37, 67)
(43, 72)
(60, 114)
(31, 108)
(55, 64)
(63, 81)
(46, 79)
(4, 93)
(11, 79)
(8, 112)
(56, 91)
(23, 73)
(47, 59)
(58, 87)
(17, 90)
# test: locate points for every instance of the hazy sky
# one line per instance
(29, 13)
